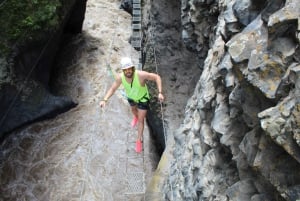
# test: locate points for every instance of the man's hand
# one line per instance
(161, 97)
(103, 103)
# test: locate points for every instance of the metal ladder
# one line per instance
(136, 37)
(135, 170)
(135, 162)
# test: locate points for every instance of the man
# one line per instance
(134, 82)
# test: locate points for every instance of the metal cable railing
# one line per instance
(163, 122)
(161, 105)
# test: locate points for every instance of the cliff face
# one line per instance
(240, 136)
(29, 56)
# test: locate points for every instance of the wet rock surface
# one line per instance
(87, 153)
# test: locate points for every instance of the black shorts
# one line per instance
(140, 105)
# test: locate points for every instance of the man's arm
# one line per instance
(111, 90)
(154, 77)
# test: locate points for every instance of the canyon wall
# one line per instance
(239, 139)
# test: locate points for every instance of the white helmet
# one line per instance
(126, 63)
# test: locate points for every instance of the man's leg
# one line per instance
(135, 116)
(141, 119)
(134, 110)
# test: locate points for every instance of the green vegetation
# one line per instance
(23, 20)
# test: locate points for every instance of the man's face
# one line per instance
(128, 72)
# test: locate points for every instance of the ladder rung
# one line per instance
(136, 19)
(136, 43)
(136, 12)
(136, 22)
(135, 39)
(136, 5)
(136, 26)
(136, 34)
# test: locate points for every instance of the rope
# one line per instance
(111, 73)
(88, 160)
(93, 133)
(108, 61)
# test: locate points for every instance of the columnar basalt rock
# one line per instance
(240, 136)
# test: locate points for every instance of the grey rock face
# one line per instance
(240, 136)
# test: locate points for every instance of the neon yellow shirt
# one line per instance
(135, 90)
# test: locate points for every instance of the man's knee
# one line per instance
(134, 108)
(141, 120)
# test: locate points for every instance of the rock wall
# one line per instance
(165, 54)
(239, 139)
(25, 94)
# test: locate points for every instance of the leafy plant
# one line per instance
(27, 19)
